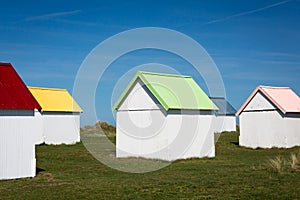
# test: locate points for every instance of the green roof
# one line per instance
(172, 91)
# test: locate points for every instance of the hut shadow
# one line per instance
(235, 143)
(39, 170)
(43, 174)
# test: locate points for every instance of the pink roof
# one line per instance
(284, 98)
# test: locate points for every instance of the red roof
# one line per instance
(13, 92)
(284, 98)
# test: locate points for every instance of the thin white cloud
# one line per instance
(280, 62)
(51, 15)
(247, 12)
(259, 77)
(279, 54)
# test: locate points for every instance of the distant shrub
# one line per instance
(99, 127)
(106, 127)
(237, 128)
(109, 130)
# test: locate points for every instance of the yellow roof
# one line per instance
(54, 99)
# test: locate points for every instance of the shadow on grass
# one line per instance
(235, 143)
(39, 170)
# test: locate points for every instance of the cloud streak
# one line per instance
(51, 15)
(247, 12)
(279, 54)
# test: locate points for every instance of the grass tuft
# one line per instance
(294, 161)
(280, 164)
(277, 164)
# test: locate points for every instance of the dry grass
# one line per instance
(280, 164)
(45, 176)
(294, 161)
(277, 164)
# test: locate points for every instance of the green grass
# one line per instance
(70, 172)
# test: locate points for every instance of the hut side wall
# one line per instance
(38, 134)
(262, 129)
(224, 123)
(291, 129)
(61, 128)
(171, 137)
(18, 129)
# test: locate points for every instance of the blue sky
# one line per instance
(252, 42)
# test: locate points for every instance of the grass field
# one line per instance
(70, 172)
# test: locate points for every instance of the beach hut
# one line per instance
(270, 117)
(164, 116)
(225, 119)
(18, 126)
(60, 114)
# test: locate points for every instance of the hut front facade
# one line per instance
(163, 116)
(20, 123)
(270, 117)
(60, 116)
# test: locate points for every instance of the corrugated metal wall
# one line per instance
(17, 143)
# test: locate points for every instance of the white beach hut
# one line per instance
(60, 115)
(225, 119)
(19, 125)
(164, 116)
(270, 117)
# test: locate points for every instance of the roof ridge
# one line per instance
(3, 64)
(272, 87)
(45, 88)
(217, 98)
(164, 74)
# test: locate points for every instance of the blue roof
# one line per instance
(225, 108)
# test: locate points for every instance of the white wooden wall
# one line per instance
(18, 131)
(61, 128)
